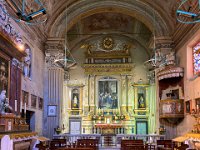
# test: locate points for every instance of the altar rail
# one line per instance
(72, 138)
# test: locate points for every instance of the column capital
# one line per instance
(164, 42)
(54, 50)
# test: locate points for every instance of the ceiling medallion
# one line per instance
(108, 43)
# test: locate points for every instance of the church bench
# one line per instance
(124, 143)
(88, 143)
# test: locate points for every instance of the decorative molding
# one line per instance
(106, 69)
(6, 26)
(17, 63)
(170, 72)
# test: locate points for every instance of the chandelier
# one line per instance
(188, 12)
(66, 59)
(27, 11)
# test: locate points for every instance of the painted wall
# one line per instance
(191, 85)
(35, 84)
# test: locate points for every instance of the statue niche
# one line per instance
(75, 99)
(27, 62)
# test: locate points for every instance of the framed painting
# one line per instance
(40, 103)
(25, 97)
(187, 106)
(51, 110)
(4, 73)
(108, 93)
(33, 101)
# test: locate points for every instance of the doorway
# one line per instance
(30, 119)
(75, 126)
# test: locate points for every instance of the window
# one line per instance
(196, 59)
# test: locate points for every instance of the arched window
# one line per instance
(196, 59)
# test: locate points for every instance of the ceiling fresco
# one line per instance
(108, 21)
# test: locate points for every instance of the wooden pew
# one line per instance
(124, 143)
(88, 143)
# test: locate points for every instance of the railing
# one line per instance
(72, 138)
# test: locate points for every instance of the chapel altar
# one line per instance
(109, 101)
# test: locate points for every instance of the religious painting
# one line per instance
(4, 73)
(105, 21)
(108, 93)
(33, 101)
(75, 102)
(40, 103)
(51, 110)
(187, 107)
(25, 97)
(141, 100)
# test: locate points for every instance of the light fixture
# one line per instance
(157, 60)
(65, 60)
(27, 15)
(188, 16)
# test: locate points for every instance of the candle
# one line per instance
(20, 106)
(15, 105)
(25, 108)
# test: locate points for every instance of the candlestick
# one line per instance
(20, 106)
(15, 105)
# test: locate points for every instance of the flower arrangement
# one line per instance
(162, 130)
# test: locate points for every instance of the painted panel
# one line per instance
(108, 93)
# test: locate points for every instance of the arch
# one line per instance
(137, 9)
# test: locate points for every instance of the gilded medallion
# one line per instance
(107, 43)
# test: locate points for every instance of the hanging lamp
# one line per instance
(189, 16)
(22, 13)
(66, 59)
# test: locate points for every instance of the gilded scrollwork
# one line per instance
(107, 43)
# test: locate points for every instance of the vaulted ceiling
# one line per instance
(136, 19)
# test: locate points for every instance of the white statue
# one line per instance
(27, 63)
(4, 103)
(2, 100)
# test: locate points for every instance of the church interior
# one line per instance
(100, 74)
